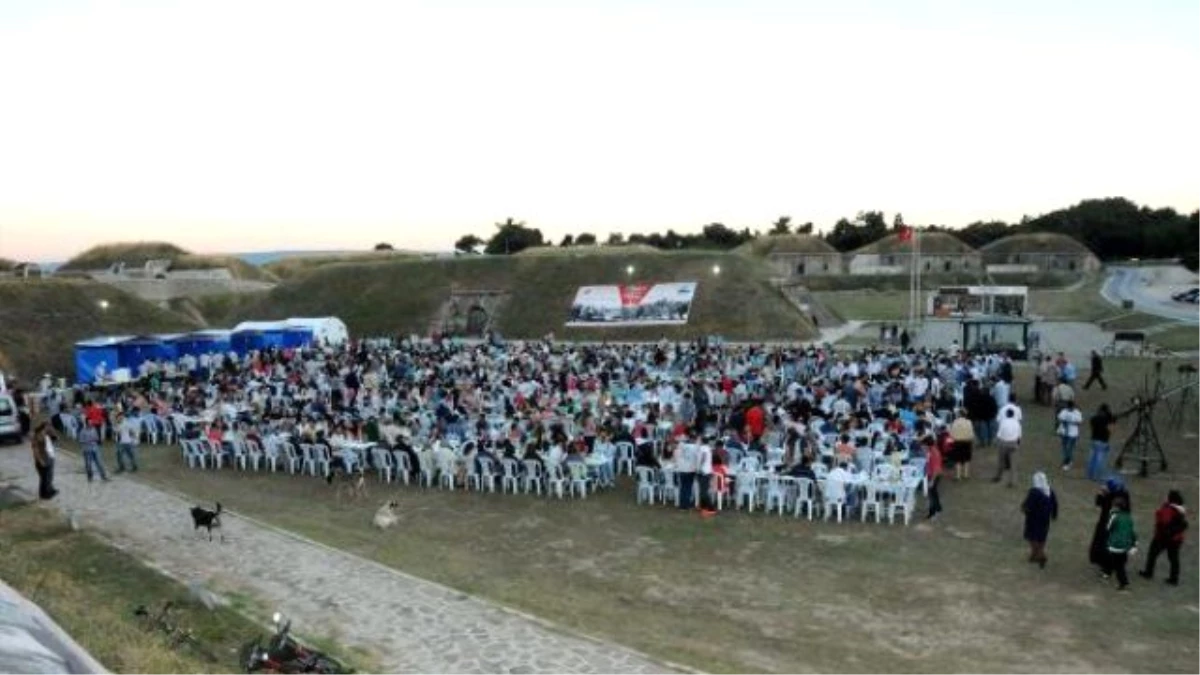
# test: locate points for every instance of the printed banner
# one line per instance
(633, 305)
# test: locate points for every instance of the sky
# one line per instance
(242, 125)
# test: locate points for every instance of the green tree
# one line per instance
(384, 246)
(782, 225)
(568, 240)
(616, 239)
(806, 228)
(585, 239)
(468, 244)
(513, 237)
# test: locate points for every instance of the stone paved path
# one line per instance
(410, 625)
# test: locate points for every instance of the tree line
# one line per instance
(1113, 228)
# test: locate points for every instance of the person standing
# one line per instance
(1008, 439)
(42, 444)
(1122, 541)
(685, 469)
(1102, 425)
(933, 475)
(128, 430)
(1170, 522)
(1040, 507)
(904, 340)
(89, 444)
(704, 473)
(963, 435)
(1097, 372)
(1069, 421)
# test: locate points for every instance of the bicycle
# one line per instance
(283, 654)
(175, 635)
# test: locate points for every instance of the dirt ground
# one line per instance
(757, 592)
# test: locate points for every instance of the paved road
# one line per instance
(1129, 283)
(411, 625)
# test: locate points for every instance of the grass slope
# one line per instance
(404, 296)
(293, 266)
(43, 318)
(135, 254)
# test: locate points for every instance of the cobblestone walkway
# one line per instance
(408, 624)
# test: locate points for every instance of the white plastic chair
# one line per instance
(382, 460)
(646, 487)
(905, 501)
(625, 457)
(833, 498)
(446, 474)
(291, 458)
(401, 465)
(580, 482)
(556, 483)
(872, 504)
(487, 475)
(511, 475)
(308, 455)
(533, 476)
(775, 494)
(254, 452)
(805, 497)
(668, 491)
(747, 489)
(239, 453)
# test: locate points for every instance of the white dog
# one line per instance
(386, 516)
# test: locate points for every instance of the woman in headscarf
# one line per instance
(1098, 552)
(1040, 507)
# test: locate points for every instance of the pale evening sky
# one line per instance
(254, 125)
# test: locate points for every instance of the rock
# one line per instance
(72, 521)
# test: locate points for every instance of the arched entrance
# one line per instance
(477, 320)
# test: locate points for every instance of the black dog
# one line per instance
(209, 520)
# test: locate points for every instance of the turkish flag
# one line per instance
(906, 233)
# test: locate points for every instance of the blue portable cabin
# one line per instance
(297, 336)
(137, 350)
(93, 353)
(203, 342)
(251, 336)
(169, 349)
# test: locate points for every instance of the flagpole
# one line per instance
(917, 309)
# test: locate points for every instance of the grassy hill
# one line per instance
(403, 296)
(135, 254)
(293, 266)
(42, 319)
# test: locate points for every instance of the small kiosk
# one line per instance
(993, 333)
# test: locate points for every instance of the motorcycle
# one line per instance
(283, 654)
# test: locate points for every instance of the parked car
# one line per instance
(10, 420)
(1191, 295)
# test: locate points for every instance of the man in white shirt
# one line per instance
(685, 467)
(128, 432)
(1008, 438)
(1069, 421)
(1010, 405)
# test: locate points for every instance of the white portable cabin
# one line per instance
(328, 330)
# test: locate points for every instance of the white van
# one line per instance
(10, 420)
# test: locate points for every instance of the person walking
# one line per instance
(1040, 507)
(1170, 522)
(1097, 372)
(1008, 439)
(89, 444)
(42, 445)
(1121, 542)
(1098, 551)
(1102, 424)
(933, 475)
(1069, 421)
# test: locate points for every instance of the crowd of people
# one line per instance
(696, 408)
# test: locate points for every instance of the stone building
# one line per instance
(801, 255)
(1037, 253)
(940, 253)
